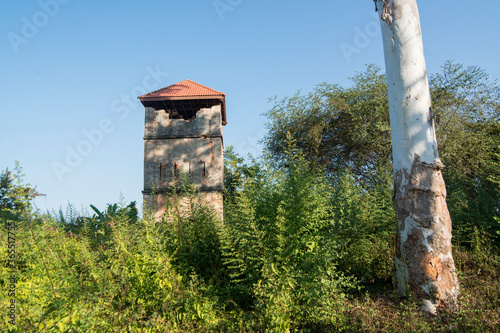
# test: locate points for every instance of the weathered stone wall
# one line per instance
(173, 146)
(207, 122)
(157, 203)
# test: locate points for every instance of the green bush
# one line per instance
(68, 283)
(15, 196)
(281, 247)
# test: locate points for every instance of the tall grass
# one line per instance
(297, 252)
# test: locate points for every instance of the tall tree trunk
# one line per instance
(424, 261)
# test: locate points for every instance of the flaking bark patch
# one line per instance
(423, 241)
(386, 11)
(390, 12)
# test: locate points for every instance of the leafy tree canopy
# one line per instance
(339, 127)
(336, 127)
(347, 128)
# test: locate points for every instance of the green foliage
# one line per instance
(67, 283)
(366, 224)
(281, 247)
(466, 104)
(307, 239)
(495, 179)
(233, 172)
(114, 210)
(189, 232)
(337, 128)
(341, 128)
(293, 254)
(15, 196)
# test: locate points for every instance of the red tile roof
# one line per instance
(186, 88)
(177, 95)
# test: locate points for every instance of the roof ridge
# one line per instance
(186, 81)
(204, 86)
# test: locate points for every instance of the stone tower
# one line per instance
(183, 133)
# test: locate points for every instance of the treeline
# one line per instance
(307, 241)
(343, 129)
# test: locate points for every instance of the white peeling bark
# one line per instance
(424, 262)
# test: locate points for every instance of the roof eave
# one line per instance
(179, 98)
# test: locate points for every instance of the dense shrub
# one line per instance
(68, 282)
(295, 244)
(296, 252)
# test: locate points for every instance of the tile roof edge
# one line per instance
(199, 84)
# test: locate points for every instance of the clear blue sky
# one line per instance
(71, 71)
